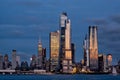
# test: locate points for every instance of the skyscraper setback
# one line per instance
(67, 61)
(63, 19)
(93, 48)
(65, 56)
(41, 58)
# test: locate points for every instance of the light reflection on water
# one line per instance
(60, 77)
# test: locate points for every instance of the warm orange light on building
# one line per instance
(68, 54)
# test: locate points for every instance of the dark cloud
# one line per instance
(97, 21)
(115, 18)
(109, 39)
(24, 31)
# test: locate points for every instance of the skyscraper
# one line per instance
(40, 56)
(13, 59)
(54, 50)
(67, 60)
(73, 52)
(33, 62)
(109, 60)
(18, 61)
(102, 62)
(6, 63)
(44, 58)
(93, 48)
(86, 51)
(63, 19)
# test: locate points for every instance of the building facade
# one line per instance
(109, 60)
(102, 63)
(41, 57)
(93, 48)
(86, 51)
(63, 18)
(54, 50)
(67, 61)
(73, 52)
(14, 62)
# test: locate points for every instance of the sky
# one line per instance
(23, 22)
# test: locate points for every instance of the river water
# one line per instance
(60, 77)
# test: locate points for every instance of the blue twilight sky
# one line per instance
(22, 22)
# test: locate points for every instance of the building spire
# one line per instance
(39, 40)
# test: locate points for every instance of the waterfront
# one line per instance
(60, 77)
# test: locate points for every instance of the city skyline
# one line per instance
(22, 34)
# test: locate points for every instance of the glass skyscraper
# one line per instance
(54, 50)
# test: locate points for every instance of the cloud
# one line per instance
(97, 21)
(25, 31)
(115, 18)
(109, 39)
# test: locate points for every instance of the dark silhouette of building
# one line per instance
(73, 52)
(102, 63)
(24, 66)
(6, 63)
(33, 62)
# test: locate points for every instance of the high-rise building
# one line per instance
(93, 48)
(63, 19)
(6, 63)
(33, 62)
(41, 58)
(54, 50)
(1, 62)
(86, 51)
(73, 52)
(44, 58)
(67, 60)
(18, 61)
(109, 60)
(102, 63)
(13, 59)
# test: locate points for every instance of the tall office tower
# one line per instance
(44, 58)
(13, 59)
(109, 60)
(73, 52)
(102, 62)
(86, 51)
(40, 56)
(63, 18)
(54, 50)
(67, 60)
(1, 62)
(93, 48)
